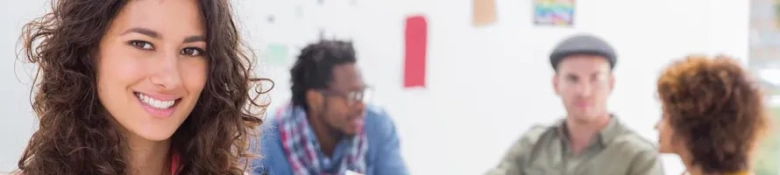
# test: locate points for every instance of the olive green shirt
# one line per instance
(615, 150)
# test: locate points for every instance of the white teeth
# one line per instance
(159, 104)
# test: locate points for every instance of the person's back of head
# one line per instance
(714, 114)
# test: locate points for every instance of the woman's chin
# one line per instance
(664, 151)
(159, 136)
(155, 135)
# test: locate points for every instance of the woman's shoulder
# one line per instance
(13, 173)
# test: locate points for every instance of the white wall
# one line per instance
(485, 85)
(17, 121)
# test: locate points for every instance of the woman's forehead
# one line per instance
(167, 17)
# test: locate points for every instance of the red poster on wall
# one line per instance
(416, 42)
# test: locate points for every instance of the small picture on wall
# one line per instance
(554, 13)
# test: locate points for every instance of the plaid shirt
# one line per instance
(383, 156)
(303, 150)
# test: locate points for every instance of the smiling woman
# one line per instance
(139, 87)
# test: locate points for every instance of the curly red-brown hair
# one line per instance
(716, 109)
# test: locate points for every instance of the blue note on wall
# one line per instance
(275, 54)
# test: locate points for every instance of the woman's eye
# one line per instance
(143, 45)
(192, 52)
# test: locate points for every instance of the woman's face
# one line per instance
(666, 139)
(152, 66)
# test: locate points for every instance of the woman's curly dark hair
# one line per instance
(716, 109)
(75, 136)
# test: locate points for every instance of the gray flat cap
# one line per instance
(582, 44)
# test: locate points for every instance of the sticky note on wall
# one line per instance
(484, 12)
(415, 51)
(275, 54)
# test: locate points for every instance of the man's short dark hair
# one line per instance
(314, 67)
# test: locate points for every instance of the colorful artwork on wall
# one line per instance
(554, 12)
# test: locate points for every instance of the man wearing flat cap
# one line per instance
(589, 141)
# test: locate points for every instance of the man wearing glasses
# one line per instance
(327, 129)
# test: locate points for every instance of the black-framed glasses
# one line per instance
(352, 97)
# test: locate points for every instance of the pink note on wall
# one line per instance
(416, 42)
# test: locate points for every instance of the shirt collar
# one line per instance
(604, 136)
